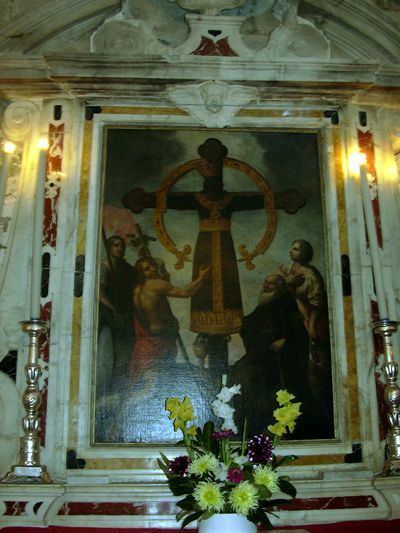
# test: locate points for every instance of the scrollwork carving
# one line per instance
(127, 38)
(392, 120)
(17, 120)
(296, 41)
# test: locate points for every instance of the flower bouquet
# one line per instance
(217, 476)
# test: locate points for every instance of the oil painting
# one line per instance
(211, 261)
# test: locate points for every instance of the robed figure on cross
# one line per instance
(215, 307)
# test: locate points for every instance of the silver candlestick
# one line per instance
(385, 328)
(29, 468)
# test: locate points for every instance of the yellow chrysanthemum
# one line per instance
(244, 498)
(208, 496)
(202, 464)
(277, 429)
(263, 475)
(283, 396)
(192, 430)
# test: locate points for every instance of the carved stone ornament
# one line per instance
(127, 38)
(222, 32)
(294, 41)
(14, 335)
(17, 120)
(213, 103)
(392, 120)
(208, 7)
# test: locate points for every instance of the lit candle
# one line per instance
(373, 240)
(38, 232)
(8, 149)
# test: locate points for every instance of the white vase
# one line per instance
(226, 523)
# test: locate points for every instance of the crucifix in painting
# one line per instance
(216, 307)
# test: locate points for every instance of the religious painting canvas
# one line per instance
(211, 261)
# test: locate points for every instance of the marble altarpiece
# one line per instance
(105, 473)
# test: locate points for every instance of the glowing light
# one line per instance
(355, 160)
(43, 144)
(9, 148)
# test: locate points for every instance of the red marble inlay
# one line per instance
(52, 185)
(334, 502)
(118, 508)
(366, 146)
(207, 47)
(44, 340)
(44, 355)
(169, 508)
(14, 508)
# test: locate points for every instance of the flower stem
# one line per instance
(244, 435)
(188, 441)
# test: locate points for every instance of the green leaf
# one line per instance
(187, 503)
(259, 517)
(287, 487)
(248, 476)
(179, 486)
(208, 432)
(199, 435)
(165, 458)
(287, 459)
(263, 492)
(191, 518)
(207, 514)
(162, 466)
(276, 502)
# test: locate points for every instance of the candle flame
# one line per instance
(43, 144)
(9, 148)
(355, 160)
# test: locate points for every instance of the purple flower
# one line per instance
(179, 466)
(260, 449)
(222, 434)
(235, 475)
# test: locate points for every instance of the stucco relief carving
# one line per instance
(296, 41)
(391, 118)
(127, 38)
(213, 103)
(208, 7)
(14, 335)
(17, 120)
